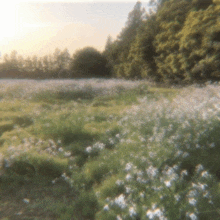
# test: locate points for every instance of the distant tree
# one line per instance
(14, 59)
(108, 45)
(88, 62)
(11, 60)
(20, 63)
(61, 63)
(12, 65)
(28, 65)
(109, 53)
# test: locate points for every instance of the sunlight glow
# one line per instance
(7, 19)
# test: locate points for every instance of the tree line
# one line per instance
(87, 62)
(176, 41)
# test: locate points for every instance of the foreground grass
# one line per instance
(43, 137)
(108, 150)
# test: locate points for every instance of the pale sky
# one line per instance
(39, 27)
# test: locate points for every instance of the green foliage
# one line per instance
(68, 128)
(170, 17)
(96, 171)
(23, 121)
(177, 43)
(52, 66)
(88, 62)
(117, 52)
(141, 155)
(128, 34)
(142, 51)
(6, 126)
(199, 45)
(86, 211)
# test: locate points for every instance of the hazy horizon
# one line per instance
(39, 27)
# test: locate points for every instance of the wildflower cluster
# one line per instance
(173, 166)
(95, 148)
(77, 89)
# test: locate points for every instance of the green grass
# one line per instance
(37, 133)
(78, 156)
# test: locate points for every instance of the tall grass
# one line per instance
(127, 151)
(63, 89)
(168, 156)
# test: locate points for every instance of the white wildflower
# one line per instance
(192, 201)
(184, 173)
(141, 194)
(185, 154)
(106, 207)
(151, 214)
(117, 135)
(67, 154)
(120, 201)
(152, 171)
(128, 177)
(132, 211)
(167, 183)
(199, 168)
(128, 189)
(89, 149)
(119, 182)
(205, 174)
(118, 217)
(60, 149)
(212, 145)
(26, 201)
(128, 166)
(192, 216)
(177, 197)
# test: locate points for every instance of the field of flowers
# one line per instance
(108, 150)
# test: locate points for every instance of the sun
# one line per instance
(7, 19)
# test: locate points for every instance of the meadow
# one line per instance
(108, 150)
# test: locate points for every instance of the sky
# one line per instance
(39, 27)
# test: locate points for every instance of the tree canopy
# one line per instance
(88, 62)
(176, 42)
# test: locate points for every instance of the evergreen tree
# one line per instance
(142, 52)
(121, 47)
(129, 32)
(109, 53)
(200, 45)
(171, 17)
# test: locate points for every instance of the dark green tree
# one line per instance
(129, 32)
(89, 62)
(171, 17)
(110, 53)
(122, 45)
(142, 52)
